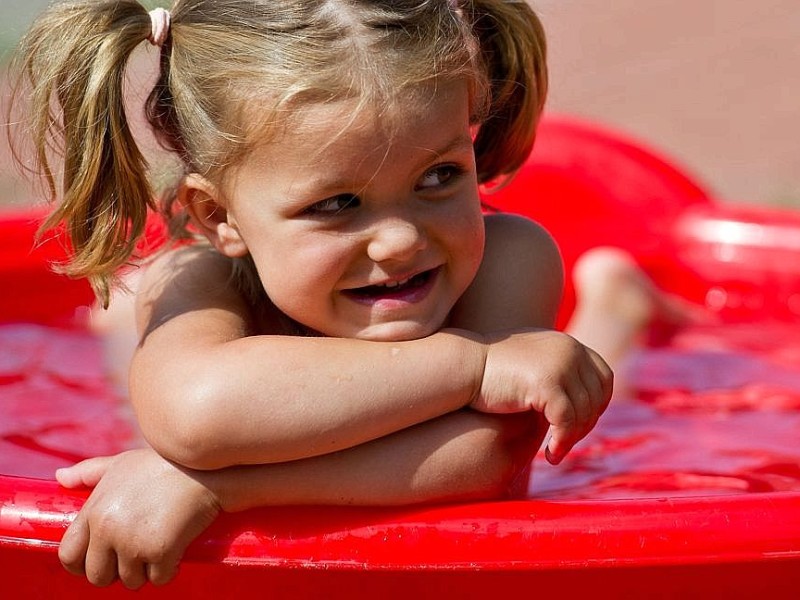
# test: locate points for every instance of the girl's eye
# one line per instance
(439, 176)
(334, 204)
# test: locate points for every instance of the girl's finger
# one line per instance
(581, 398)
(101, 563)
(163, 572)
(74, 545)
(560, 413)
(86, 473)
(132, 573)
(605, 375)
(593, 383)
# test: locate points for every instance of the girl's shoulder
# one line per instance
(519, 282)
(191, 269)
(197, 279)
(514, 240)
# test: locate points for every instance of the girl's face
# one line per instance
(361, 233)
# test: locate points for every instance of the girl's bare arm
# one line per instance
(122, 532)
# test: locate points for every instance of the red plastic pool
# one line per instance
(690, 487)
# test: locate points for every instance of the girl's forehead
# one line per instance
(380, 119)
(356, 136)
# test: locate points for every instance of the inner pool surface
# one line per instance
(715, 411)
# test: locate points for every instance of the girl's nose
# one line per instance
(396, 239)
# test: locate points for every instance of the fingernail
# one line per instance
(551, 458)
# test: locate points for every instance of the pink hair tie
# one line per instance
(159, 26)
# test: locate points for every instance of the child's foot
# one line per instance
(616, 301)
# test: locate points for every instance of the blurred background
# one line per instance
(715, 84)
(712, 84)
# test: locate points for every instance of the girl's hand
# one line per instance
(551, 373)
(137, 522)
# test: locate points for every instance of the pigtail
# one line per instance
(513, 49)
(71, 66)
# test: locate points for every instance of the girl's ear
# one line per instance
(203, 203)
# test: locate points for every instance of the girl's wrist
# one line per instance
(470, 358)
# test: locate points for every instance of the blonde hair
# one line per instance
(220, 56)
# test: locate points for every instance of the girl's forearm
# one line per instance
(268, 399)
(462, 456)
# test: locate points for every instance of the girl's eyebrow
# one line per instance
(460, 142)
(322, 184)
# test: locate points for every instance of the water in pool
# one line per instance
(715, 411)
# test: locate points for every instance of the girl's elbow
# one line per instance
(509, 454)
(188, 434)
(186, 449)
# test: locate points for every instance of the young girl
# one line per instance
(351, 330)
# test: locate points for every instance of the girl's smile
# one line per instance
(363, 226)
(395, 293)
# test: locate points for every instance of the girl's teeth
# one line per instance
(396, 283)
